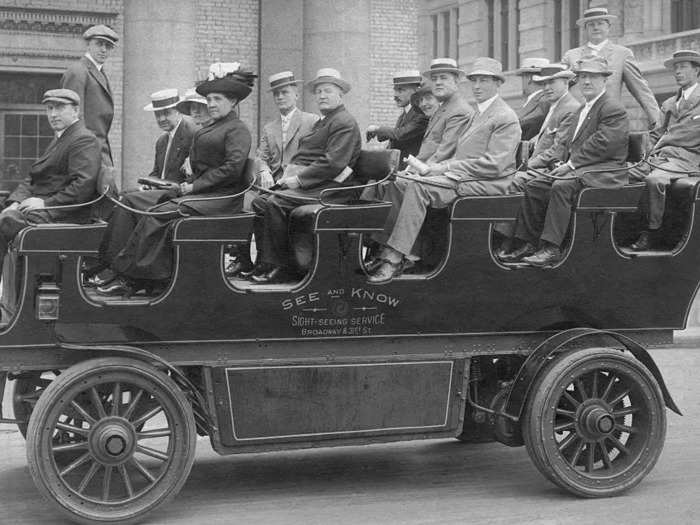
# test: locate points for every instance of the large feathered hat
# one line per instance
(228, 78)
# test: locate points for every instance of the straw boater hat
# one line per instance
(531, 65)
(102, 32)
(595, 13)
(164, 99)
(328, 75)
(488, 67)
(593, 65)
(412, 77)
(61, 96)
(443, 65)
(683, 55)
(552, 71)
(191, 97)
(228, 78)
(280, 80)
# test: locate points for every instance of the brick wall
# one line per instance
(227, 31)
(393, 47)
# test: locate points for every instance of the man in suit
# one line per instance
(87, 78)
(536, 105)
(598, 142)
(675, 144)
(483, 164)
(173, 146)
(65, 175)
(621, 63)
(325, 159)
(408, 132)
(446, 124)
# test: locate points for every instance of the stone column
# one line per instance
(336, 34)
(159, 37)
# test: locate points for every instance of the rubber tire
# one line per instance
(67, 502)
(544, 394)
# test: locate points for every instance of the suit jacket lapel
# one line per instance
(436, 117)
(294, 126)
(589, 120)
(479, 119)
(98, 75)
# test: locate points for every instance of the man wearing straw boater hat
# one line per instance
(596, 150)
(621, 62)
(65, 174)
(407, 134)
(535, 106)
(675, 144)
(483, 164)
(173, 146)
(87, 78)
(446, 124)
(325, 159)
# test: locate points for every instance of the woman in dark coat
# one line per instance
(218, 156)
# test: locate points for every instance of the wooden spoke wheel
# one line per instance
(595, 422)
(110, 440)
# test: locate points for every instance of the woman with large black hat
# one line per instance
(217, 158)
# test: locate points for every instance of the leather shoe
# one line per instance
(237, 267)
(119, 287)
(547, 256)
(525, 250)
(258, 269)
(101, 279)
(643, 243)
(371, 266)
(386, 272)
(274, 276)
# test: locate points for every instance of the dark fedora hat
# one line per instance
(229, 79)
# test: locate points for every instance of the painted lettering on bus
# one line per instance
(300, 300)
(371, 295)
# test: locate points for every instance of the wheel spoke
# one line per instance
(143, 470)
(618, 445)
(594, 384)
(152, 452)
(581, 389)
(106, 481)
(569, 425)
(606, 454)
(132, 405)
(590, 457)
(159, 432)
(97, 402)
(80, 445)
(116, 398)
(80, 410)
(571, 399)
(625, 411)
(567, 441)
(566, 413)
(79, 461)
(619, 397)
(88, 476)
(626, 428)
(609, 387)
(148, 415)
(577, 453)
(127, 480)
(72, 429)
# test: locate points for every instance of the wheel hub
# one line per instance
(597, 421)
(112, 440)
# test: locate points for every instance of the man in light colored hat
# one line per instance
(87, 78)
(597, 143)
(621, 62)
(535, 105)
(483, 164)
(325, 159)
(279, 142)
(446, 124)
(65, 174)
(408, 132)
(675, 144)
(173, 146)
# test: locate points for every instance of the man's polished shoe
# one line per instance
(525, 250)
(371, 266)
(119, 287)
(386, 272)
(258, 269)
(547, 256)
(644, 242)
(101, 279)
(237, 267)
(274, 276)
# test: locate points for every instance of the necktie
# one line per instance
(167, 152)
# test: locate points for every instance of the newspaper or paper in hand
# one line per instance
(417, 165)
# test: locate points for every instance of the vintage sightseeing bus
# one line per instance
(112, 392)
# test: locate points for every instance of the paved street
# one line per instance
(440, 482)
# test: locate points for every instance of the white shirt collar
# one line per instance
(98, 66)
(531, 96)
(172, 131)
(483, 106)
(407, 108)
(689, 91)
(598, 47)
(59, 133)
(288, 116)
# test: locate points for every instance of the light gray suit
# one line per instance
(625, 70)
(444, 128)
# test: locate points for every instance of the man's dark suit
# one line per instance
(179, 151)
(333, 144)
(601, 143)
(532, 115)
(406, 135)
(96, 101)
(65, 174)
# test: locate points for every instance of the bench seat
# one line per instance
(60, 237)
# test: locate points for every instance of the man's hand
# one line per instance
(186, 188)
(31, 203)
(561, 171)
(265, 179)
(186, 169)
